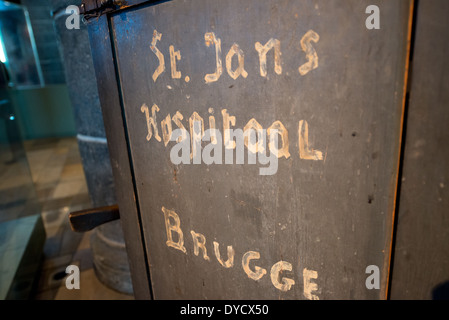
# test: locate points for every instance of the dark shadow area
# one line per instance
(441, 291)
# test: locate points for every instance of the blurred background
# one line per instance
(53, 160)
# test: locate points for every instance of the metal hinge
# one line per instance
(95, 8)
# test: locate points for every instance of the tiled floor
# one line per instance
(61, 188)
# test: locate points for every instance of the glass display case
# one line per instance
(18, 51)
(18, 68)
(22, 233)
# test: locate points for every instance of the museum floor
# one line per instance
(60, 184)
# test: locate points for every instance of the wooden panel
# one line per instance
(421, 259)
(337, 89)
(108, 90)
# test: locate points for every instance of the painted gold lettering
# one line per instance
(151, 121)
(228, 263)
(199, 242)
(166, 129)
(177, 120)
(311, 55)
(278, 128)
(173, 227)
(253, 126)
(258, 272)
(263, 50)
(309, 286)
(235, 50)
(213, 134)
(210, 38)
(304, 151)
(285, 284)
(174, 56)
(228, 121)
(196, 124)
(161, 68)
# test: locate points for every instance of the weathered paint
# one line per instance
(161, 67)
(327, 219)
